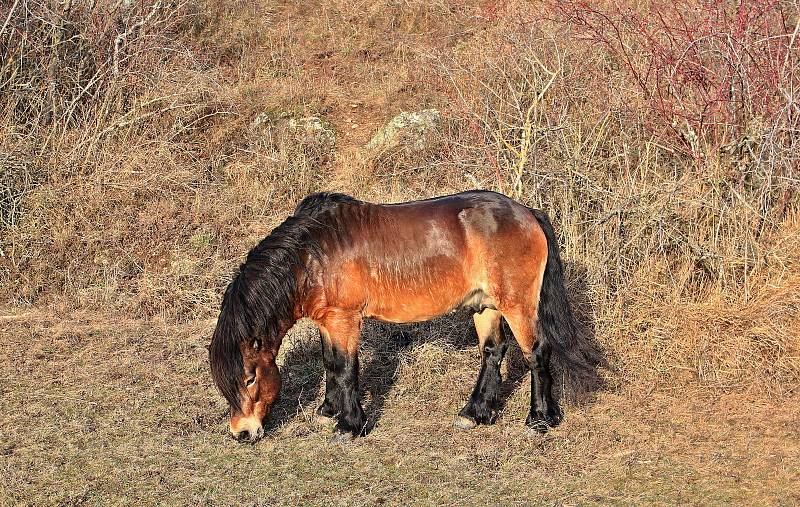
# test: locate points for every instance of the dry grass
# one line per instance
(145, 146)
(145, 425)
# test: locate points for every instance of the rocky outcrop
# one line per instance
(314, 131)
(408, 132)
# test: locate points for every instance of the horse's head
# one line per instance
(259, 386)
(247, 375)
(259, 307)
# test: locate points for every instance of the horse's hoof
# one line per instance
(537, 427)
(341, 437)
(464, 423)
(542, 422)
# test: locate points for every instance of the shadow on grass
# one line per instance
(302, 374)
(383, 345)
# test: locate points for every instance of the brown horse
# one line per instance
(337, 261)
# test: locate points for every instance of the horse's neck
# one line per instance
(309, 291)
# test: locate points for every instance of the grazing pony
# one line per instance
(338, 261)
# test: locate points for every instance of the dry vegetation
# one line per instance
(145, 146)
(145, 427)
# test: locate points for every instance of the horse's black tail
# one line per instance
(557, 324)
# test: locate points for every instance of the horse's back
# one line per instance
(418, 259)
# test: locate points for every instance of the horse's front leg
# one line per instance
(340, 333)
(480, 409)
(333, 398)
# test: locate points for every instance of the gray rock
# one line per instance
(408, 131)
(312, 130)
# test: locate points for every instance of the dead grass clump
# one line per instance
(145, 149)
(16, 179)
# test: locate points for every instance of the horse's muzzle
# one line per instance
(247, 437)
(247, 430)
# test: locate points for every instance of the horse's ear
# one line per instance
(257, 344)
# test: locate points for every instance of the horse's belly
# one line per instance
(415, 302)
(415, 310)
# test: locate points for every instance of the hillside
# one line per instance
(146, 146)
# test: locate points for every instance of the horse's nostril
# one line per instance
(243, 435)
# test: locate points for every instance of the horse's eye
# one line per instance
(250, 381)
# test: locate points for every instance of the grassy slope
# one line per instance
(124, 412)
(120, 260)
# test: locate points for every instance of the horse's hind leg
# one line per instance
(480, 409)
(545, 412)
(340, 336)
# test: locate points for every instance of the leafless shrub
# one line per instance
(70, 65)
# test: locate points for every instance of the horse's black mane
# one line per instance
(321, 202)
(262, 294)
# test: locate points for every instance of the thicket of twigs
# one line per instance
(665, 140)
(144, 147)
